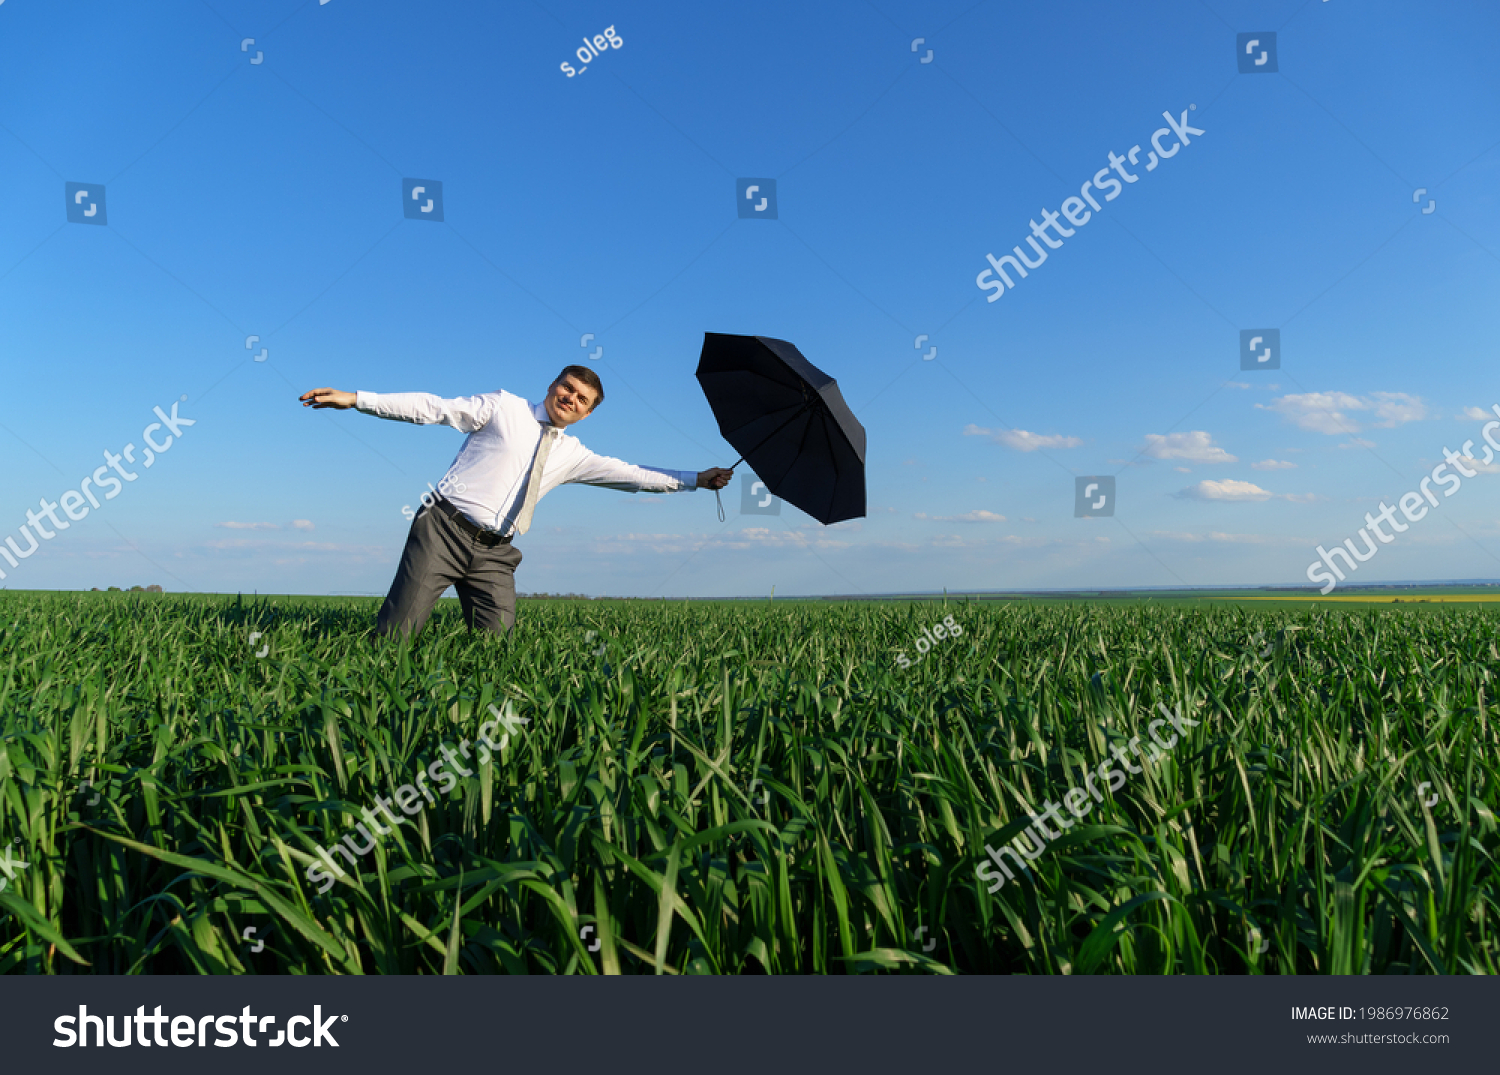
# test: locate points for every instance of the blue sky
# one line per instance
(265, 199)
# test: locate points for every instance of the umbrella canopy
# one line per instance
(789, 421)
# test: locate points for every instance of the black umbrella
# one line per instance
(788, 419)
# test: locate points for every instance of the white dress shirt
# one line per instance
(495, 461)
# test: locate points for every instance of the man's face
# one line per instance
(568, 401)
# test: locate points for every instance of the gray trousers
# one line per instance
(438, 555)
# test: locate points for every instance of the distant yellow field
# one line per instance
(1371, 599)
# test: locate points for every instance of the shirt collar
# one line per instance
(538, 410)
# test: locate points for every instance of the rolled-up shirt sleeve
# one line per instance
(468, 414)
(610, 473)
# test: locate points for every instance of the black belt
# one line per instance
(487, 538)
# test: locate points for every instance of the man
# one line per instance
(515, 454)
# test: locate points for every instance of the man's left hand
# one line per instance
(714, 478)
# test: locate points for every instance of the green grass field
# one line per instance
(747, 788)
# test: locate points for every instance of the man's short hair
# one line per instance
(582, 373)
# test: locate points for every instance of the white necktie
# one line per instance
(534, 482)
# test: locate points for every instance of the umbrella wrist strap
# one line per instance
(721, 505)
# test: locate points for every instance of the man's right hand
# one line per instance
(324, 397)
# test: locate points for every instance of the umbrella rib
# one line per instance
(833, 491)
(769, 435)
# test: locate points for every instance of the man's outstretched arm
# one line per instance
(602, 470)
(467, 414)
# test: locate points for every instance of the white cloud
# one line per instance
(1023, 441)
(1223, 538)
(978, 516)
(1194, 447)
(247, 544)
(750, 537)
(1273, 464)
(1479, 465)
(1183, 470)
(1397, 408)
(1303, 498)
(1479, 414)
(1330, 412)
(1357, 442)
(1228, 489)
(302, 524)
(1318, 412)
(953, 541)
(956, 541)
(247, 526)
